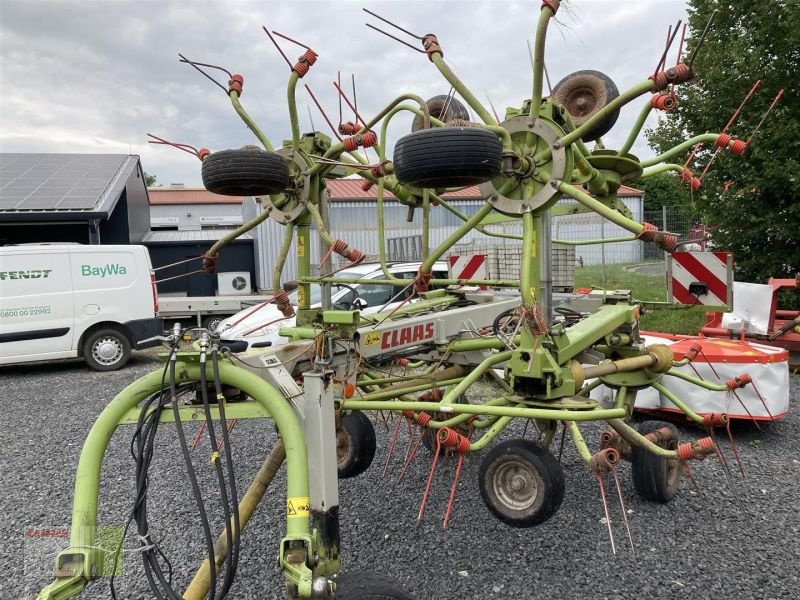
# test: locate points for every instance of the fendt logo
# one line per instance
(407, 335)
(29, 274)
(90, 271)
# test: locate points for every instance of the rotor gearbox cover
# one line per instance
(584, 94)
(247, 171)
(442, 107)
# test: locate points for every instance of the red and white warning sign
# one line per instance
(700, 278)
(470, 266)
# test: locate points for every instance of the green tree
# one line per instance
(150, 180)
(663, 189)
(752, 201)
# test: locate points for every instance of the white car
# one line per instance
(258, 326)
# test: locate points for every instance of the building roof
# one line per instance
(205, 235)
(339, 190)
(62, 186)
(350, 189)
(183, 195)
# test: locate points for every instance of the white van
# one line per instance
(70, 300)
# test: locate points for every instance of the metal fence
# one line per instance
(616, 264)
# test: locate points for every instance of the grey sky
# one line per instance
(96, 76)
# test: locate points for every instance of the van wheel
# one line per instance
(211, 323)
(106, 350)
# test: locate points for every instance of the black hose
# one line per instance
(227, 579)
(201, 509)
(234, 548)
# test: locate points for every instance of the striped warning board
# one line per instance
(470, 266)
(700, 278)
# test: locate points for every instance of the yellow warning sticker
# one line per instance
(372, 338)
(533, 247)
(301, 246)
(301, 295)
(297, 507)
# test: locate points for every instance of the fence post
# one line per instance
(603, 249)
(664, 225)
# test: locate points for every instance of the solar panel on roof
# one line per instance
(41, 182)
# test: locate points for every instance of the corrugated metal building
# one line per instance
(185, 222)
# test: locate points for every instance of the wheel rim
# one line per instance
(515, 484)
(213, 324)
(107, 350)
(344, 447)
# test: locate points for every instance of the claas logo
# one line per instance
(407, 335)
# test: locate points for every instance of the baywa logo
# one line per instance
(104, 271)
(29, 274)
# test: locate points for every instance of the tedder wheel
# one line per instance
(583, 94)
(441, 109)
(106, 350)
(521, 483)
(447, 157)
(655, 478)
(247, 171)
(355, 444)
(365, 585)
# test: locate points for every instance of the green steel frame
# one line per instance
(542, 378)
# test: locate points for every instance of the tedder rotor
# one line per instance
(416, 361)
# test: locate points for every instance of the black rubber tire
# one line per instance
(247, 171)
(584, 93)
(447, 157)
(455, 110)
(505, 322)
(506, 460)
(355, 444)
(214, 320)
(655, 478)
(366, 585)
(98, 343)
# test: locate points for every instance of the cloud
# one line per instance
(96, 77)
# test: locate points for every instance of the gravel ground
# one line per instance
(694, 547)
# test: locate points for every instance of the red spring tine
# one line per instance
(605, 508)
(355, 100)
(199, 435)
(392, 445)
(453, 491)
(624, 511)
(430, 479)
(744, 406)
(321, 110)
(760, 397)
(738, 111)
(339, 80)
(231, 425)
(710, 364)
(687, 470)
(728, 477)
(412, 454)
(734, 448)
(272, 39)
(696, 372)
(347, 100)
(769, 110)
